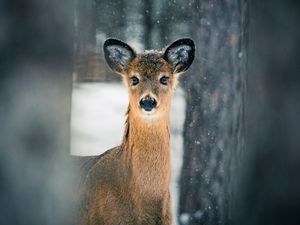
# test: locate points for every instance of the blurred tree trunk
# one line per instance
(148, 23)
(35, 97)
(214, 126)
(166, 22)
(85, 27)
(270, 184)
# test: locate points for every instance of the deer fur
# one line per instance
(129, 184)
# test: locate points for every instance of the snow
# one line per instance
(97, 122)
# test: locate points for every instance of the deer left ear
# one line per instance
(180, 54)
(118, 55)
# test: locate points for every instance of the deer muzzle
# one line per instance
(148, 103)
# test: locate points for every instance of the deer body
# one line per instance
(130, 183)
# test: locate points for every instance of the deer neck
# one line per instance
(147, 145)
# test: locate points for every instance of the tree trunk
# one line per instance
(213, 130)
(148, 23)
(85, 28)
(35, 98)
(270, 184)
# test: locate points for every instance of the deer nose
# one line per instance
(148, 103)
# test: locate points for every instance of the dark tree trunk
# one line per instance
(213, 130)
(35, 93)
(148, 23)
(166, 18)
(85, 27)
(269, 188)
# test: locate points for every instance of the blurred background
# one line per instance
(239, 139)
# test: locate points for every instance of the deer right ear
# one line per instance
(118, 55)
(180, 54)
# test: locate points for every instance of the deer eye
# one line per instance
(164, 80)
(134, 80)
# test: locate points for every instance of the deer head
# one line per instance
(150, 76)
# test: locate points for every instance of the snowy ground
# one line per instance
(98, 111)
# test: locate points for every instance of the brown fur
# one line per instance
(130, 183)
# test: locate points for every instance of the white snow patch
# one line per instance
(97, 117)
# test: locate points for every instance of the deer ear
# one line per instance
(180, 54)
(118, 54)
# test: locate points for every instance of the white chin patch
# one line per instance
(149, 116)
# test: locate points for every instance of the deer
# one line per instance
(129, 184)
